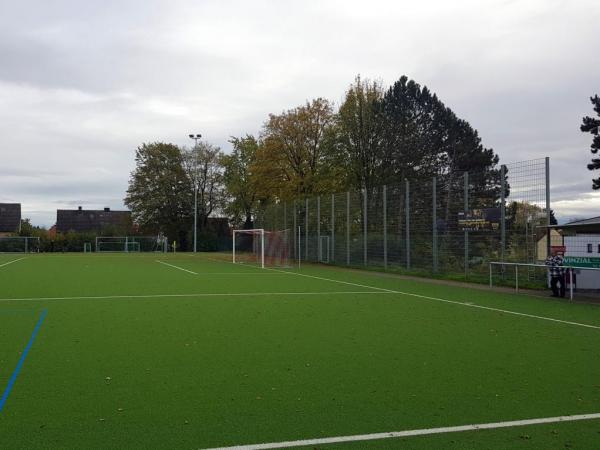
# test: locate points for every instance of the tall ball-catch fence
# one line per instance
(450, 225)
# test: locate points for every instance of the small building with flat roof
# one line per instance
(581, 242)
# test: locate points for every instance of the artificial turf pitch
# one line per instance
(134, 353)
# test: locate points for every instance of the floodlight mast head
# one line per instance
(196, 137)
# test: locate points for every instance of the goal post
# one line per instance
(260, 247)
(19, 244)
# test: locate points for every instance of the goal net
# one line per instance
(19, 244)
(262, 248)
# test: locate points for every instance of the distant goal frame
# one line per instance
(261, 232)
(26, 247)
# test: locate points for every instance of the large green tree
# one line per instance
(240, 184)
(423, 137)
(294, 158)
(160, 192)
(359, 129)
(592, 125)
(407, 132)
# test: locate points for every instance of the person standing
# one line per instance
(557, 275)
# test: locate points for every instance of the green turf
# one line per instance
(191, 371)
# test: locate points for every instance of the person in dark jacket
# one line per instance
(557, 274)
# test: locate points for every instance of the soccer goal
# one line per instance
(262, 248)
(129, 244)
(19, 244)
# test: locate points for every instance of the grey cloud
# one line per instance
(83, 83)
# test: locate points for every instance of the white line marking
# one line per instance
(176, 267)
(202, 294)
(507, 311)
(455, 302)
(336, 281)
(236, 273)
(437, 299)
(214, 273)
(13, 261)
(409, 433)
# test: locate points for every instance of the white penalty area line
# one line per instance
(13, 261)
(410, 433)
(202, 294)
(176, 267)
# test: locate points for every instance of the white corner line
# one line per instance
(13, 261)
(175, 267)
(409, 433)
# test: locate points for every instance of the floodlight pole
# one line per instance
(195, 137)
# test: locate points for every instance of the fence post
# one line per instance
(294, 233)
(284, 216)
(407, 227)
(385, 256)
(466, 195)
(434, 246)
(365, 226)
(306, 231)
(502, 211)
(548, 238)
(348, 228)
(332, 227)
(319, 249)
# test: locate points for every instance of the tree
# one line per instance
(294, 158)
(423, 137)
(239, 182)
(26, 228)
(359, 134)
(592, 125)
(203, 167)
(160, 192)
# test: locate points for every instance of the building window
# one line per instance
(598, 248)
(590, 248)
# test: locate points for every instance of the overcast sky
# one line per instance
(82, 84)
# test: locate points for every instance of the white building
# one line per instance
(581, 239)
